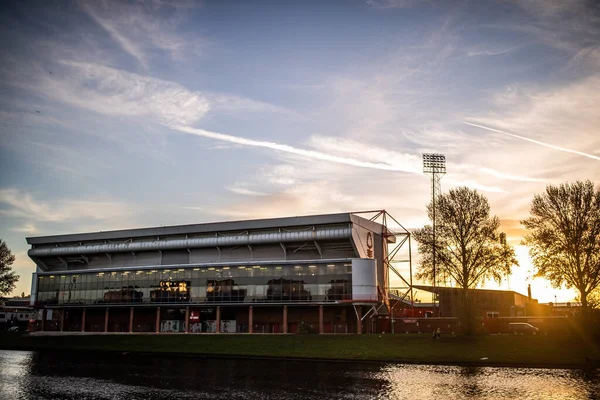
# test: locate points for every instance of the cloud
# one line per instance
(556, 118)
(116, 92)
(473, 185)
(193, 208)
(404, 162)
(305, 198)
(394, 166)
(501, 175)
(21, 204)
(140, 28)
(475, 53)
(231, 103)
(279, 175)
(536, 141)
(385, 4)
(244, 191)
(30, 229)
(127, 45)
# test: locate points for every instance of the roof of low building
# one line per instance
(447, 289)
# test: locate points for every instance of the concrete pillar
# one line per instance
(157, 319)
(321, 330)
(106, 320)
(187, 319)
(285, 321)
(62, 319)
(83, 321)
(358, 319)
(130, 319)
(218, 328)
(250, 320)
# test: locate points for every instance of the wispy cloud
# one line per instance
(29, 229)
(384, 4)
(510, 177)
(140, 28)
(398, 167)
(535, 141)
(244, 191)
(193, 208)
(489, 52)
(129, 46)
(324, 197)
(21, 204)
(120, 93)
(235, 104)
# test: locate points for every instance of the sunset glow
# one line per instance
(121, 114)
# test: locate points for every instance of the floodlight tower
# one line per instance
(434, 164)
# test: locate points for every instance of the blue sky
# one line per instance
(129, 114)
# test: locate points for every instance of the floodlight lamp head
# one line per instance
(434, 163)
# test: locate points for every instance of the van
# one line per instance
(522, 328)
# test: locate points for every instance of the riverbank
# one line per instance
(500, 350)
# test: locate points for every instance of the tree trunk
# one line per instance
(466, 312)
(584, 309)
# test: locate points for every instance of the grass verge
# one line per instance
(538, 351)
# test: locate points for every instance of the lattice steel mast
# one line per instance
(434, 164)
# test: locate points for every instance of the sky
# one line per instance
(129, 114)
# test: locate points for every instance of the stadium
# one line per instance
(322, 273)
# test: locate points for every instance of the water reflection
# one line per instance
(79, 375)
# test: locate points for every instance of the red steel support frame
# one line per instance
(187, 320)
(83, 321)
(106, 320)
(321, 330)
(250, 320)
(285, 319)
(131, 320)
(218, 327)
(157, 324)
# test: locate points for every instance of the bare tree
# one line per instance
(469, 248)
(564, 237)
(8, 278)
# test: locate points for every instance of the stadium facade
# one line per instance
(322, 273)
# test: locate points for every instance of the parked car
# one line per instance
(522, 328)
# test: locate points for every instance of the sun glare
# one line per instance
(522, 276)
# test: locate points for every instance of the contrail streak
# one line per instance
(293, 150)
(552, 146)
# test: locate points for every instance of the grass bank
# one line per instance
(539, 351)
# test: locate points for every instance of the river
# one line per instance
(95, 376)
